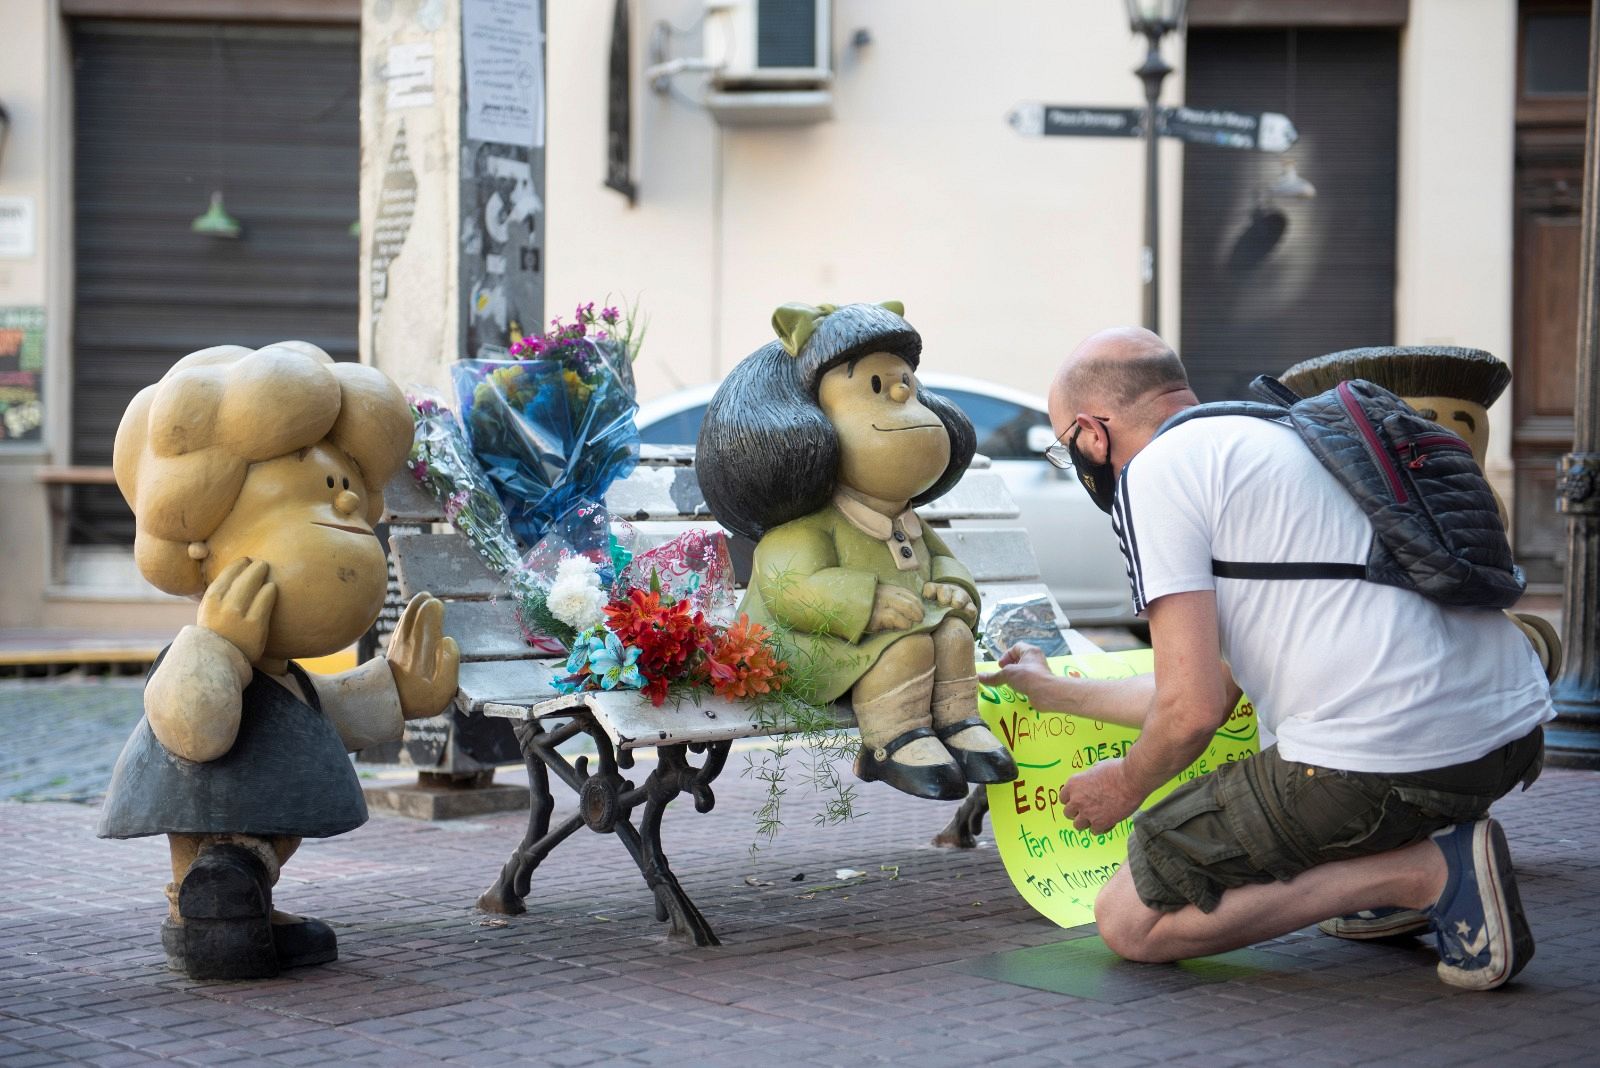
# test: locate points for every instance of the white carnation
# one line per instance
(576, 598)
(576, 567)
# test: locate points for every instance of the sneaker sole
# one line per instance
(1399, 925)
(1504, 921)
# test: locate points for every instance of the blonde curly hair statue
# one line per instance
(186, 443)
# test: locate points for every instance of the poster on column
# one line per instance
(502, 46)
(1056, 868)
(21, 376)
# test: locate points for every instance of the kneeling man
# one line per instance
(1398, 720)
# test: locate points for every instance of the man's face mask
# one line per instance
(1099, 479)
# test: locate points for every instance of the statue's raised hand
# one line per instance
(238, 605)
(424, 662)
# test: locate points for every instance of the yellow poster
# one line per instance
(1055, 867)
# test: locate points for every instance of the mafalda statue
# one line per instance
(817, 445)
(1451, 386)
(255, 479)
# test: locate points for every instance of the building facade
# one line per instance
(1443, 138)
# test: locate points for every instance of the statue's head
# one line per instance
(834, 401)
(1451, 386)
(278, 454)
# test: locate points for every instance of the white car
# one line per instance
(1077, 551)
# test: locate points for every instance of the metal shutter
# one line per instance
(165, 113)
(1263, 290)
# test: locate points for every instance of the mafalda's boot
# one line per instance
(957, 724)
(898, 744)
(224, 929)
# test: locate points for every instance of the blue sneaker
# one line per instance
(1482, 935)
(1376, 923)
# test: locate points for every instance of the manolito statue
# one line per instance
(255, 478)
(817, 446)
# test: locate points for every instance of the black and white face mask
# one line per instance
(1100, 480)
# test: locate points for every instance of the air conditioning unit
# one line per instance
(771, 60)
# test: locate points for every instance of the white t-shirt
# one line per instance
(1346, 673)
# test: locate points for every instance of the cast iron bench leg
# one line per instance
(605, 804)
(538, 748)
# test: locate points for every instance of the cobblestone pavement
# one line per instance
(863, 973)
(62, 737)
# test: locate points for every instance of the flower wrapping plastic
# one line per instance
(551, 434)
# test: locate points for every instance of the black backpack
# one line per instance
(1437, 528)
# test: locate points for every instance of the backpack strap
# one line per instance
(1235, 569)
(1202, 411)
(1277, 399)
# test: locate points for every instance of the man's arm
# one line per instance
(1124, 702)
(1190, 701)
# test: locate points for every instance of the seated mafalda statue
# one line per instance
(1451, 386)
(255, 479)
(816, 446)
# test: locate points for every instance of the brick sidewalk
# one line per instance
(860, 975)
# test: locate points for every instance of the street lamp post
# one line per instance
(1154, 19)
(1574, 737)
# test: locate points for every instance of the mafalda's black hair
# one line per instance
(767, 454)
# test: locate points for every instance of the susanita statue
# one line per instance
(817, 446)
(255, 479)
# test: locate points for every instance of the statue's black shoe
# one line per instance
(304, 941)
(979, 765)
(937, 782)
(225, 901)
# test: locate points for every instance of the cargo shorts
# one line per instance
(1265, 818)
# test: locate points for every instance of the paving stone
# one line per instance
(587, 975)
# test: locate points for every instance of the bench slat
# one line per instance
(444, 565)
(485, 630)
(506, 682)
(631, 721)
(665, 493)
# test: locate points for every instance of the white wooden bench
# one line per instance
(500, 679)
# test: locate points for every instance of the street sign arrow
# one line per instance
(1265, 131)
(1033, 119)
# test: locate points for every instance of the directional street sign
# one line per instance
(1033, 119)
(1265, 131)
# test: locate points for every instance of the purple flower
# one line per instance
(610, 315)
(601, 335)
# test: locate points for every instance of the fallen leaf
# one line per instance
(494, 922)
(751, 880)
(848, 873)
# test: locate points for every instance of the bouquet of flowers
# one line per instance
(654, 642)
(442, 462)
(553, 427)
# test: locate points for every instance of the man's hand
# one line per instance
(958, 599)
(894, 608)
(424, 662)
(238, 604)
(1023, 668)
(1100, 797)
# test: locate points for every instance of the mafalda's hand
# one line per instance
(894, 608)
(958, 599)
(424, 662)
(238, 604)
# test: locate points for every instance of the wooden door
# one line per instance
(1551, 100)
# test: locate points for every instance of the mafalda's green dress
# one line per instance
(815, 578)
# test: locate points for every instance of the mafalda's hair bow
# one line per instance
(795, 323)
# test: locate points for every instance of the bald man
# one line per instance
(1398, 720)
